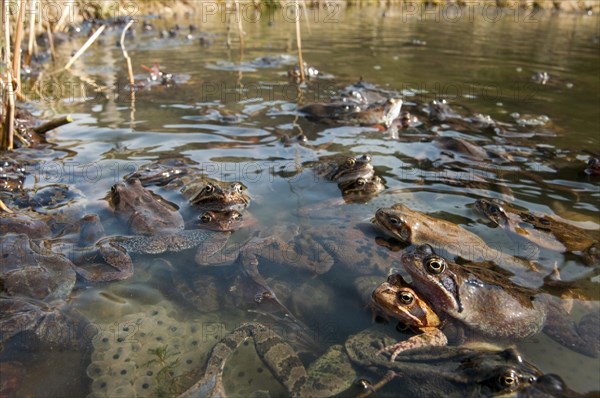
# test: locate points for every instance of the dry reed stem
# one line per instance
(8, 94)
(85, 46)
(51, 42)
(299, 42)
(240, 28)
(125, 54)
(16, 62)
(31, 41)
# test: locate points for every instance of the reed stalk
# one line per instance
(125, 54)
(299, 42)
(8, 99)
(51, 43)
(83, 48)
(16, 62)
(31, 42)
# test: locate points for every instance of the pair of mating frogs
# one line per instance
(475, 297)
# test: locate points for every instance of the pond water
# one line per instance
(229, 115)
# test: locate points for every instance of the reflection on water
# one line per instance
(233, 115)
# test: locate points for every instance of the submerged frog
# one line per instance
(224, 221)
(34, 286)
(361, 188)
(449, 239)
(383, 113)
(486, 302)
(543, 230)
(451, 371)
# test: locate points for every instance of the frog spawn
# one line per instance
(133, 358)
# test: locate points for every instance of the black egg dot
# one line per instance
(246, 342)
(194, 342)
(259, 370)
(173, 328)
(160, 322)
(103, 385)
(123, 372)
(159, 338)
(120, 340)
(149, 373)
(142, 334)
(154, 312)
(116, 356)
(126, 329)
(98, 370)
(105, 340)
(145, 385)
(189, 361)
(241, 374)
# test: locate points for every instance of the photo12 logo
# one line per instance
(69, 11)
(288, 10)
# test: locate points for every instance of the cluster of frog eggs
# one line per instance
(125, 361)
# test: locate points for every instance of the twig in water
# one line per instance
(127, 58)
(52, 124)
(85, 46)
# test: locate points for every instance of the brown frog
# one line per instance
(218, 196)
(395, 298)
(352, 113)
(224, 221)
(361, 188)
(144, 212)
(543, 230)
(349, 169)
(449, 239)
(485, 301)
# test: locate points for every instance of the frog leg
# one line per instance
(278, 356)
(274, 249)
(582, 338)
(113, 255)
(429, 337)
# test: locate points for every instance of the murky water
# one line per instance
(229, 115)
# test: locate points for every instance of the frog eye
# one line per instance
(364, 384)
(436, 265)
(405, 297)
(350, 161)
(205, 218)
(395, 220)
(209, 188)
(361, 181)
(238, 187)
(508, 379)
(365, 158)
(236, 215)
